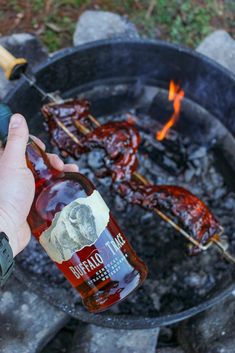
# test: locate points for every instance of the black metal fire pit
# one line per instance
(118, 76)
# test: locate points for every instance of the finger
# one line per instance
(23, 235)
(18, 134)
(38, 142)
(55, 161)
(71, 168)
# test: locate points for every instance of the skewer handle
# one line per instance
(12, 67)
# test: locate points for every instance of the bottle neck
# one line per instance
(39, 163)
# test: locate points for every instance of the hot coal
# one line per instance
(176, 281)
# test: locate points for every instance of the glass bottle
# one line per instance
(76, 228)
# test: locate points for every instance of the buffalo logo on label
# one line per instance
(79, 224)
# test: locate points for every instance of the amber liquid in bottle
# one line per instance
(79, 233)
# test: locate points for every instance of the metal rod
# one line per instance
(50, 96)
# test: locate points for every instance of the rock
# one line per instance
(24, 45)
(220, 47)
(27, 322)
(211, 331)
(94, 339)
(96, 25)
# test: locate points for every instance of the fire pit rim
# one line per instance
(109, 42)
(182, 48)
(123, 321)
(111, 320)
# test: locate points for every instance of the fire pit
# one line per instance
(133, 76)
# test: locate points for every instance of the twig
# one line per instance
(149, 12)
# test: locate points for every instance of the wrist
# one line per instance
(6, 259)
(7, 227)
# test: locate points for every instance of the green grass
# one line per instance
(51, 40)
(14, 4)
(55, 40)
(37, 5)
(179, 21)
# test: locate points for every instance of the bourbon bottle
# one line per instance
(74, 225)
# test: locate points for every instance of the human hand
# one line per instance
(17, 186)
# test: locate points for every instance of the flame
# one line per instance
(176, 94)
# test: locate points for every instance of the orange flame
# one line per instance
(176, 94)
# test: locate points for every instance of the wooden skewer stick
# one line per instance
(84, 130)
(215, 240)
(139, 177)
(70, 134)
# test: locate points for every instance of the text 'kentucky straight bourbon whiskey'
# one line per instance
(77, 230)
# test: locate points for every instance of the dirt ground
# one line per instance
(178, 21)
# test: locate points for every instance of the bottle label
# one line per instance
(78, 225)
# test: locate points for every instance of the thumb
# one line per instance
(18, 134)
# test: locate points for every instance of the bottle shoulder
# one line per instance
(61, 191)
(77, 178)
(74, 180)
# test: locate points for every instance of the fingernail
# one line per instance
(75, 167)
(16, 121)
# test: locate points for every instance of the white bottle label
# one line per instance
(79, 224)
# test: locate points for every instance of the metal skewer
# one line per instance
(14, 68)
(52, 97)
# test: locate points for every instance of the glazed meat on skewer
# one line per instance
(60, 123)
(191, 213)
(120, 140)
(74, 130)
